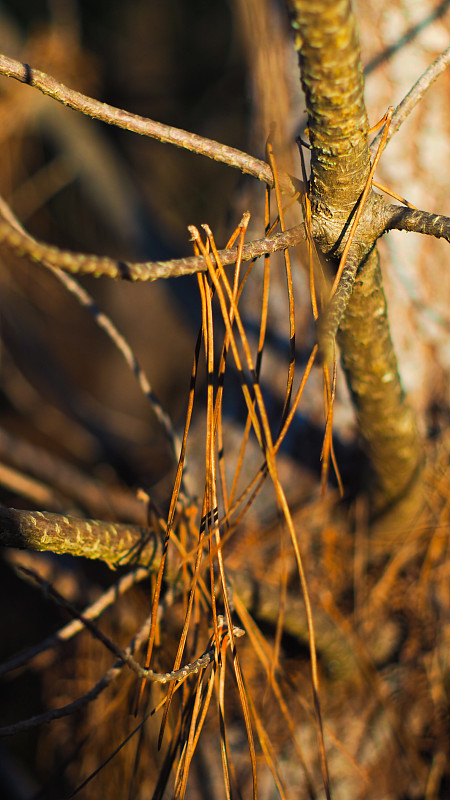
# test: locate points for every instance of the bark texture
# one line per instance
(386, 420)
(331, 73)
(116, 544)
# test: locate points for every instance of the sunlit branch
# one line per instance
(416, 221)
(413, 97)
(46, 84)
(111, 542)
(23, 244)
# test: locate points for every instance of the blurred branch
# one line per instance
(91, 495)
(36, 491)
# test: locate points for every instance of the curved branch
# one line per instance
(11, 68)
(409, 219)
(116, 544)
(23, 244)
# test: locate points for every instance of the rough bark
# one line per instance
(386, 420)
(115, 544)
(331, 73)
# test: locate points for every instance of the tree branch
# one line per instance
(88, 697)
(386, 420)
(70, 630)
(11, 68)
(23, 244)
(409, 219)
(327, 42)
(330, 319)
(413, 97)
(330, 65)
(116, 544)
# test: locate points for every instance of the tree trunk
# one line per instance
(332, 78)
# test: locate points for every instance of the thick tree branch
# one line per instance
(409, 219)
(386, 421)
(329, 57)
(116, 544)
(11, 68)
(331, 73)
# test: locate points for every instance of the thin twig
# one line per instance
(75, 626)
(123, 655)
(23, 244)
(413, 97)
(76, 705)
(11, 68)
(104, 322)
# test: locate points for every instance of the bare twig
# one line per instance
(413, 97)
(17, 239)
(142, 125)
(123, 655)
(80, 702)
(104, 322)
